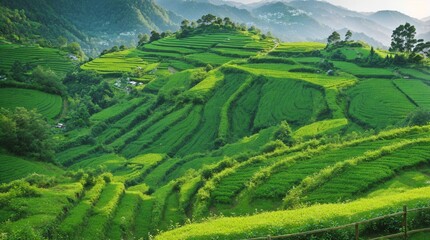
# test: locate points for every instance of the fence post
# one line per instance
(405, 222)
(269, 237)
(356, 231)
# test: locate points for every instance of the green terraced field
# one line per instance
(379, 103)
(362, 71)
(13, 168)
(300, 47)
(416, 90)
(209, 58)
(51, 58)
(47, 104)
(203, 153)
(118, 62)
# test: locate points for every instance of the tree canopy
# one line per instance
(25, 132)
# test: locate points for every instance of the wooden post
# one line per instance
(357, 235)
(269, 237)
(405, 222)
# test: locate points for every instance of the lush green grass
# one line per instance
(283, 222)
(150, 135)
(49, 105)
(378, 103)
(415, 73)
(363, 71)
(116, 109)
(418, 91)
(279, 71)
(124, 220)
(103, 211)
(117, 62)
(351, 181)
(321, 128)
(177, 136)
(108, 161)
(204, 138)
(209, 58)
(13, 168)
(75, 219)
(287, 99)
(51, 58)
(404, 181)
(207, 85)
(299, 47)
(37, 212)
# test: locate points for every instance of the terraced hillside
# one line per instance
(54, 59)
(49, 105)
(266, 139)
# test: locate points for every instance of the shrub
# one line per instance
(41, 181)
(272, 146)
(420, 117)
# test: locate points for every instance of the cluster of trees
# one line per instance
(90, 95)
(145, 38)
(206, 24)
(25, 132)
(113, 49)
(403, 40)
(335, 38)
(37, 77)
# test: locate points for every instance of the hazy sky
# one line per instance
(414, 8)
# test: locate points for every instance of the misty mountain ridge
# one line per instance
(100, 24)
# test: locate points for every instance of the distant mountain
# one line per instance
(427, 19)
(290, 23)
(392, 19)
(194, 9)
(96, 23)
(338, 18)
(362, 37)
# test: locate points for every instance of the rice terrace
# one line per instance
(213, 119)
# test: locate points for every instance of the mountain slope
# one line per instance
(337, 18)
(96, 23)
(195, 9)
(290, 23)
(392, 19)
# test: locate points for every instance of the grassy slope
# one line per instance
(283, 222)
(49, 105)
(12, 168)
(54, 59)
(234, 104)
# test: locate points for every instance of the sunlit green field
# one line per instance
(51, 58)
(49, 105)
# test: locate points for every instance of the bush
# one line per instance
(420, 117)
(41, 181)
(305, 70)
(26, 133)
(272, 146)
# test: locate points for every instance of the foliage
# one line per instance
(209, 23)
(284, 133)
(419, 117)
(25, 132)
(49, 105)
(403, 40)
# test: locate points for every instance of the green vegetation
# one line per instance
(214, 126)
(53, 59)
(49, 105)
(378, 103)
(13, 168)
(283, 222)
